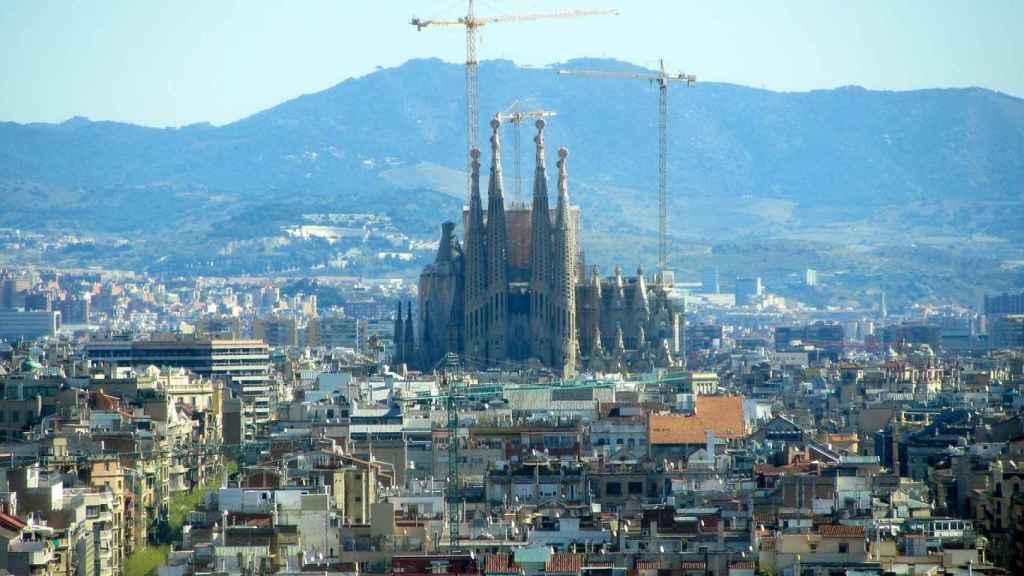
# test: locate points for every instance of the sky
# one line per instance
(177, 62)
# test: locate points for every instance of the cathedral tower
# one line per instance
(475, 267)
(541, 253)
(565, 275)
(496, 302)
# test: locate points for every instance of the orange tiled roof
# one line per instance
(692, 565)
(12, 523)
(564, 562)
(721, 414)
(841, 531)
(649, 564)
(499, 564)
(742, 565)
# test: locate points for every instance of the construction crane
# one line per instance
(516, 117)
(662, 78)
(453, 392)
(471, 22)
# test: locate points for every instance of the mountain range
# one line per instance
(845, 165)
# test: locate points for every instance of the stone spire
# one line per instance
(640, 296)
(475, 263)
(426, 339)
(565, 271)
(399, 337)
(595, 342)
(618, 288)
(409, 352)
(540, 256)
(497, 254)
(620, 341)
(446, 248)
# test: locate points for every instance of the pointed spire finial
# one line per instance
(539, 140)
(563, 176)
(495, 139)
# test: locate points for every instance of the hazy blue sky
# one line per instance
(175, 62)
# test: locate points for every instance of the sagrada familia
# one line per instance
(516, 294)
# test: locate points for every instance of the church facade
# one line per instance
(515, 293)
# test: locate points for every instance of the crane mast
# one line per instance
(662, 78)
(516, 117)
(471, 22)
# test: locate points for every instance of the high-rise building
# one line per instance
(244, 365)
(12, 290)
(709, 281)
(277, 332)
(338, 332)
(224, 327)
(1004, 304)
(39, 300)
(235, 361)
(74, 309)
(748, 290)
(827, 335)
(912, 333)
(28, 325)
(1008, 331)
(810, 277)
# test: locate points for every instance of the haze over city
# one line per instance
(504, 288)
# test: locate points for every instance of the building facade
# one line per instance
(515, 291)
(28, 324)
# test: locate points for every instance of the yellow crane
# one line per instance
(662, 78)
(516, 117)
(471, 22)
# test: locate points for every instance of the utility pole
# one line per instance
(662, 78)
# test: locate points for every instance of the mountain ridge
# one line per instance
(847, 150)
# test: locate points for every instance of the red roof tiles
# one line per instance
(841, 531)
(649, 564)
(564, 563)
(12, 522)
(499, 564)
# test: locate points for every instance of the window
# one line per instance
(844, 547)
(636, 487)
(613, 489)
